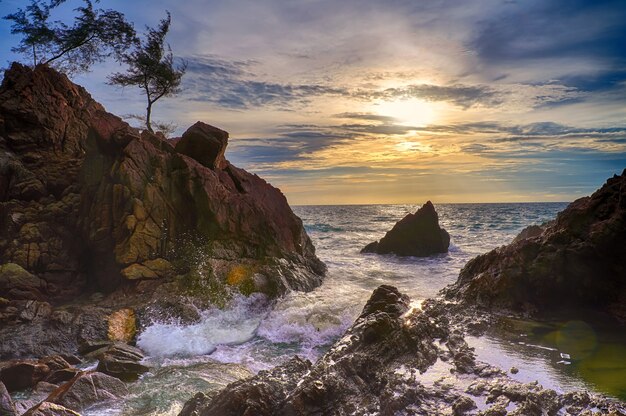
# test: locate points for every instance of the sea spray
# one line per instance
(234, 324)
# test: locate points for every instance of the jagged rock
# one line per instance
(378, 366)
(50, 409)
(61, 375)
(349, 378)
(258, 395)
(87, 389)
(204, 143)
(59, 332)
(577, 262)
(529, 232)
(87, 204)
(120, 360)
(6, 404)
(84, 194)
(416, 235)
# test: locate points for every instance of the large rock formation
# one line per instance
(89, 204)
(416, 235)
(384, 365)
(573, 262)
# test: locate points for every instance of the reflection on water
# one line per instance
(576, 353)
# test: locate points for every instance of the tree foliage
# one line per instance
(151, 67)
(94, 35)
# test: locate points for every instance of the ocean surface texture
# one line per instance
(258, 335)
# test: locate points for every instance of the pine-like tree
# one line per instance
(151, 67)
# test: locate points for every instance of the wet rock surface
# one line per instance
(575, 262)
(87, 389)
(121, 361)
(416, 235)
(381, 365)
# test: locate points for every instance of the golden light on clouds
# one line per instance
(413, 112)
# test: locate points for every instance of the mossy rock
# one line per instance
(242, 277)
(122, 325)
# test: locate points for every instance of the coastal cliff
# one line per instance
(573, 263)
(90, 205)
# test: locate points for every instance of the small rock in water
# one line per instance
(514, 370)
(416, 235)
(565, 356)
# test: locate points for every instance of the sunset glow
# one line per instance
(477, 97)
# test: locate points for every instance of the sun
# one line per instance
(412, 112)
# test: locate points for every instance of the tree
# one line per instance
(94, 35)
(151, 67)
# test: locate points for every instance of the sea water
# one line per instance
(254, 334)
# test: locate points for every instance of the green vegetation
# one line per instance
(151, 67)
(95, 35)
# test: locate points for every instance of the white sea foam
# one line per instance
(235, 324)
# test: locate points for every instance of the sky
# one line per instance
(395, 101)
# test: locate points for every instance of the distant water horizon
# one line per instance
(434, 203)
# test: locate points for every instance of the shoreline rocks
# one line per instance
(569, 265)
(382, 365)
(99, 218)
(416, 235)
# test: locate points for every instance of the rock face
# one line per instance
(87, 389)
(204, 143)
(87, 203)
(383, 365)
(575, 261)
(6, 404)
(416, 235)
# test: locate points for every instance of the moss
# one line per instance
(242, 277)
(204, 285)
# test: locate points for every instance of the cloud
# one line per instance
(230, 84)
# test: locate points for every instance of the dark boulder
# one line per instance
(416, 235)
(571, 264)
(22, 374)
(121, 361)
(204, 143)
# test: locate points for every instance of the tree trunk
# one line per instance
(148, 114)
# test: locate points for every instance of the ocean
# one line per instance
(257, 335)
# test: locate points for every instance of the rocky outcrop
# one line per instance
(22, 374)
(121, 361)
(87, 389)
(204, 143)
(416, 235)
(87, 203)
(571, 263)
(382, 366)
